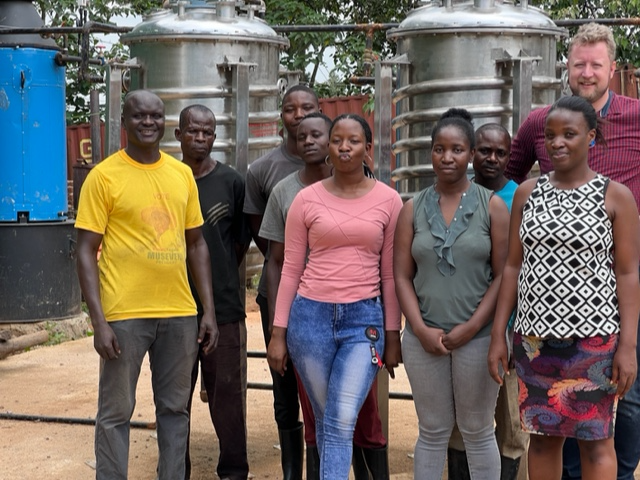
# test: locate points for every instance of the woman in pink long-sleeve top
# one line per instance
(336, 300)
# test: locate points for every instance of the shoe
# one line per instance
(509, 468)
(313, 463)
(292, 452)
(457, 465)
(378, 462)
(360, 470)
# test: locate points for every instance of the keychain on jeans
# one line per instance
(373, 335)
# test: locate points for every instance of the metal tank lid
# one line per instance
(22, 14)
(477, 16)
(203, 21)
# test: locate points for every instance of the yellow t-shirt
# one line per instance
(142, 211)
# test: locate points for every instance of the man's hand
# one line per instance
(105, 341)
(208, 333)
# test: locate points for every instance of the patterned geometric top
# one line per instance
(567, 287)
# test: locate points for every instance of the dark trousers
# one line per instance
(285, 387)
(224, 375)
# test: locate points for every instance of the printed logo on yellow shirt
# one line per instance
(168, 245)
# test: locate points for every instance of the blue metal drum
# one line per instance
(33, 181)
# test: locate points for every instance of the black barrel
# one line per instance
(38, 278)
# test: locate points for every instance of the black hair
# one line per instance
(182, 123)
(366, 129)
(352, 116)
(301, 87)
(575, 103)
(496, 127)
(459, 118)
(321, 115)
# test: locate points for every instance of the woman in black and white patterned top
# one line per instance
(572, 270)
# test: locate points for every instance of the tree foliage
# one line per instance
(346, 48)
(308, 50)
(66, 13)
(627, 37)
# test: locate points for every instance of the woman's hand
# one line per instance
(624, 369)
(458, 336)
(498, 355)
(392, 351)
(431, 340)
(277, 355)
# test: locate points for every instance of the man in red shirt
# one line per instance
(591, 66)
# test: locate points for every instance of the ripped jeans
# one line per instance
(332, 353)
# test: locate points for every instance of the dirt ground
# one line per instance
(61, 381)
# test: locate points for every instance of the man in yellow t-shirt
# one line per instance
(142, 206)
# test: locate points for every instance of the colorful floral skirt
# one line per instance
(565, 385)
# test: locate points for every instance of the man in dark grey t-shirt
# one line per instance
(263, 174)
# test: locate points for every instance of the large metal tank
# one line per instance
(218, 54)
(494, 58)
(37, 242)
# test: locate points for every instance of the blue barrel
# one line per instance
(33, 177)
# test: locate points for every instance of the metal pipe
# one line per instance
(225, 9)
(62, 59)
(96, 144)
(576, 22)
(71, 420)
(95, 28)
(484, 4)
(182, 8)
(357, 27)
(108, 28)
(433, 114)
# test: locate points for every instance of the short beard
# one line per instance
(591, 98)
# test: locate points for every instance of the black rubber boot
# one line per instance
(457, 465)
(509, 468)
(359, 463)
(378, 462)
(292, 452)
(313, 463)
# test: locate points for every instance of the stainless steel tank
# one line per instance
(218, 54)
(494, 58)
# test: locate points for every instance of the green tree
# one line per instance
(66, 13)
(627, 37)
(308, 48)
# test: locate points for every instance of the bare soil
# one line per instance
(61, 381)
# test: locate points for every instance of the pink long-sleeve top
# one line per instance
(350, 250)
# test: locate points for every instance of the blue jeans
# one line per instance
(626, 437)
(330, 350)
